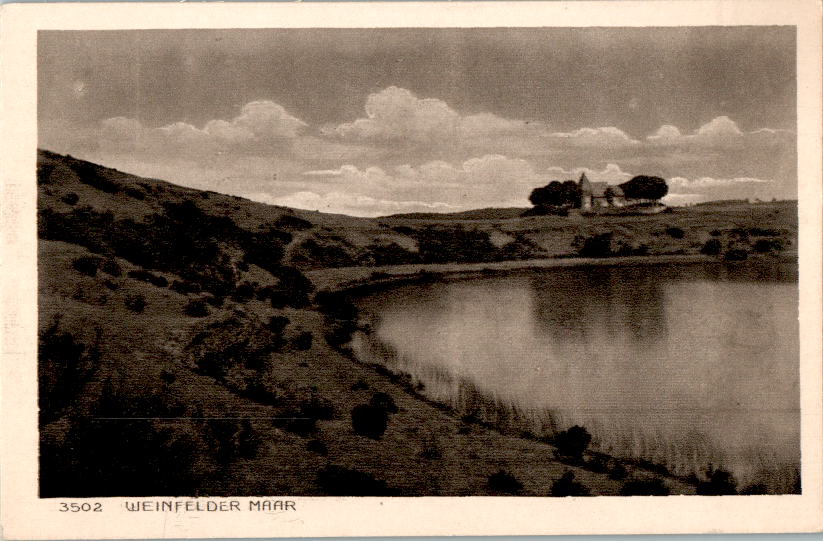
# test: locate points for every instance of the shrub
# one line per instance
(711, 247)
(719, 483)
(111, 267)
(87, 265)
(70, 198)
(572, 443)
(502, 482)
(736, 254)
(150, 277)
(454, 244)
(318, 447)
(292, 223)
(196, 308)
(675, 232)
(317, 407)
(244, 292)
(384, 401)
(135, 303)
(369, 421)
(566, 486)
(303, 341)
(336, 305)
(765, 246)
(302, 426)
(388, 254)
(644, 487)
(360, 385)
(597, 245)
(214, 300)
(339, 481)
(277, 324)
(184, 287)
(65, 365)
(91, 174)
(618, 472)
(135, 193)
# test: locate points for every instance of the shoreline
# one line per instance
(365, 279)
(362, 281)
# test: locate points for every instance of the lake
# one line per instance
(689, 366)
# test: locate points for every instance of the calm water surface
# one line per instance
(689, 366)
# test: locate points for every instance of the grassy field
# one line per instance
(183, 348)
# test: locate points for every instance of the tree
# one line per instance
(572, 443)
(645, 187)
(609, 194)
(556, 194)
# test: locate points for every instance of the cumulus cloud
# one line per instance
(612, 174)
(607, 137)
(680, 182)
(479, 181)
(260, 124)
(397, 116)
(351, 203)
(720, 132)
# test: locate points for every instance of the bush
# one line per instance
(135, 303)
(302, 426)
(736, 254)
(292, 223)
(184, 287)
(719, 483)
(303, 341)
(317, 407)
(214, 300)
(111, 267)
(369, 421)
(318, 447)
(244, 292)
(339, 481)
(502, 482)
(675, 232)
(196, 308)
(65, 365)
(360, 385)
(644, 487)
(598, 245)
(150, 277)
(135, 193)
(70, 198)
(618, 472)
(572, 443)
(765, 246)
(566, 486)
(277, 324)
(384, 401)
(336, 305)
(711, 247)
(87, 265)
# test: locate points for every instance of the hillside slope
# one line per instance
(183, 350)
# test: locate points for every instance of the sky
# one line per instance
(371, 122)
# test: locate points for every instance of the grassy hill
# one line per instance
(183, 350)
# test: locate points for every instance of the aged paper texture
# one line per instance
(404, 269)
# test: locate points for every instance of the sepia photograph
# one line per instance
(541, 263)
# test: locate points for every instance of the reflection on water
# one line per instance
(688, 366)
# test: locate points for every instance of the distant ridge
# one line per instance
(489, 213)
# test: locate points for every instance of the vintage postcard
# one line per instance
(357, 269)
